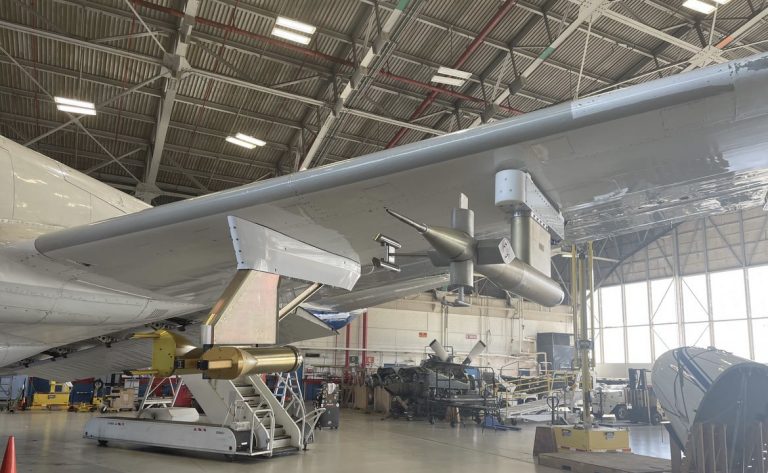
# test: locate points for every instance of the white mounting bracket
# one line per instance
(515, 190)
(246, 313)
(262, 249)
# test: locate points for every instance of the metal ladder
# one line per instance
(288, 392)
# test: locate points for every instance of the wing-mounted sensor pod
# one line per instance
(517, 266)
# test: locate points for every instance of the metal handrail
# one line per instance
(310, 419)
(253, 424)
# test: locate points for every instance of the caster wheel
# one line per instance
(102, 443)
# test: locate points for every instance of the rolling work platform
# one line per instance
(242, 417)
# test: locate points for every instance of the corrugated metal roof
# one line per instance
(196, 159)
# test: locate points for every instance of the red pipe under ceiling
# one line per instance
(503, 10)
(326, 57)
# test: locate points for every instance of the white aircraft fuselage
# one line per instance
(43, 303)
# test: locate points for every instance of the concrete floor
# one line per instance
(52, 441)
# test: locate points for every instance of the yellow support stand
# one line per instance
(586, 436)
(596, 439)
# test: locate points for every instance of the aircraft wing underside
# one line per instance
(122, 353)
(643, 156)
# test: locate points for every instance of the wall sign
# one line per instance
(422, 334)
(471, 336)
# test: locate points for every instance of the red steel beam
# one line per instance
(503, 10)
(326, 57)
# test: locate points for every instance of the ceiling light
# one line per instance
(447, 71)
(235, 141)
(699, 6)
(295, 25)
(291, 36)
(245, 141)
(73, 102)
(250, 139)
(75, 106)
(448, 80)
(368, 59)
(722, 2)
(77, 110)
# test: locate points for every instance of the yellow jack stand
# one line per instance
(596, 439)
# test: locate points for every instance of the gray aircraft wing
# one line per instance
(643, 156)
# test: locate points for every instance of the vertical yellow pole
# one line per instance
(575, 303)
(586, 379)
(591, 280)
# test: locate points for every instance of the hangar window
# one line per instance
(728, 295)
(611, 308)
(665, 338)
(598, 346)
(758, 296)
(697, 335)
(695, 304)
(732, 336)
(613, 345)
(760, 333)
(639, 344)
(663, 309)
(636, 297)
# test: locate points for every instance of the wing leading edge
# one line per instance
(612, 163)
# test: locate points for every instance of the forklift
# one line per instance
(643, 405)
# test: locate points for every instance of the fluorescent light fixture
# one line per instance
(73, 102)
(245, 141)
(447, 71)
(295, 25)
(235, 141)
(699, 6)
(448, 80)
(77, 110)
(80, 107)
(291, 36)
(250, 139)
(368, 58)
(722, 2)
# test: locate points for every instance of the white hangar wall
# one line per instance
(400, 331)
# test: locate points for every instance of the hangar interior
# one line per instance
(649, 359)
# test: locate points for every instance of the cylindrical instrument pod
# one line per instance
(710, 386)
(228, 362)
(524, 280)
